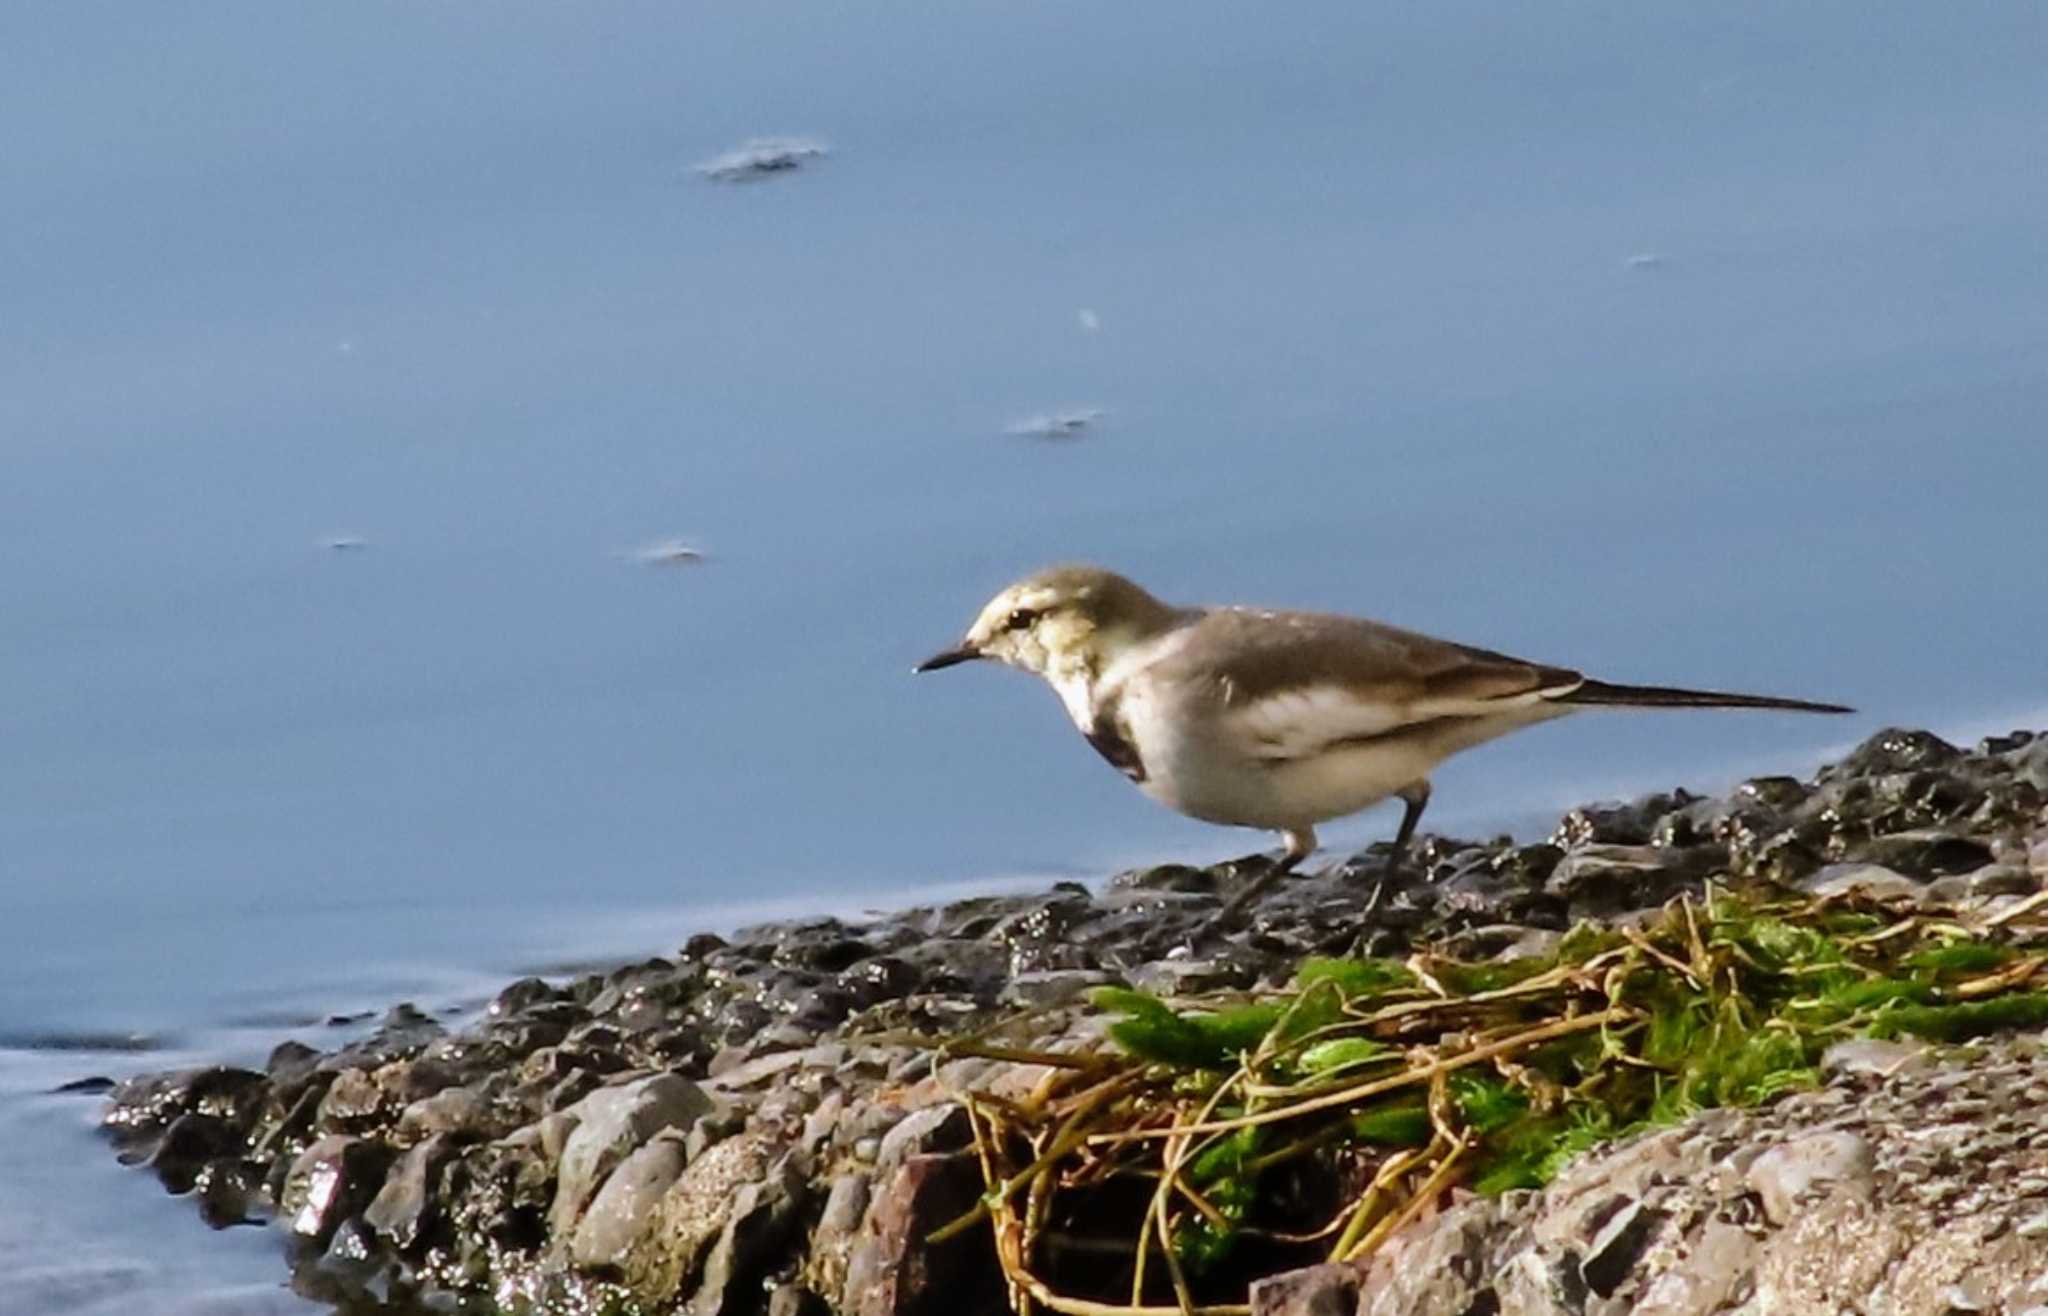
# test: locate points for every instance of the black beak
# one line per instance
(950, 658)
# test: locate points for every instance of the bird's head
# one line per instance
(1065, 624)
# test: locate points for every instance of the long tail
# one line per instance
(1659, 696)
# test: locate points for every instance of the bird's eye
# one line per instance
(1023, 619)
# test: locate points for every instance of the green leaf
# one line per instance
(1341, 1053)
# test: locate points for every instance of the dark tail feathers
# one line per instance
(1658, 696)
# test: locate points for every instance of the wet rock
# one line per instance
(610, 1123)
(145, 1106)
(520, 997)
(187, 1145)
(352, 1256)
(329, 1182)
(359, 1100)
(1166, 877)
(231, 1191)
(403, 1032)
(403, 1207)
(91, 1086)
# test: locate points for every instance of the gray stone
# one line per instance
(746, 1071)
(942, 1128)
(611, 1122)
(1446, 1266)
(1868, 1057)
(619, 1214)
(1052, 987)
(1189, 977)
(838, 1229)
(1926, 854)
(1785, 1174)
(669, 1255)
(763, 1215)
(1869, 879)
(1329, 1290)
(451, 1110)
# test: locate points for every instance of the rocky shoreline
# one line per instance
(771, 1121)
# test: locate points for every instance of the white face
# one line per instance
(1033, 628)
(1067, 625)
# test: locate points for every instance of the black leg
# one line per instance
(1416, 798)
(1300, 845)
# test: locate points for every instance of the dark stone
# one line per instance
(796, 1300)
(144, 1106)
(1893, 749)
(231, 1192)
(352, 1257)
(330, 1181)
(1602, 880)
(880, 978)
(701, 946)
(404, 1031)
(895, 1271)
(357, 1102)
(1613, 1252)
(1166, 877)
(1629, 823)
(291, 1062)
(403, 1207)
(96, 1084)
(522, 996)
(187, 1145)
(1925, 854)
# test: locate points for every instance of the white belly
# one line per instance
(1217, 783)
(1193, 766)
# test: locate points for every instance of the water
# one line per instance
(1683, 346)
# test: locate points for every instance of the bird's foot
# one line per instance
(1265, 871)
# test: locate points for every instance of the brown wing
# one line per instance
(1295, 682)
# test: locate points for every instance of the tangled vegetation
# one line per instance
(1233, 1136)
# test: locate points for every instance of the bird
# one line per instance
(1278, 720)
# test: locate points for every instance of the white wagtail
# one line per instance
(1278, 720)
